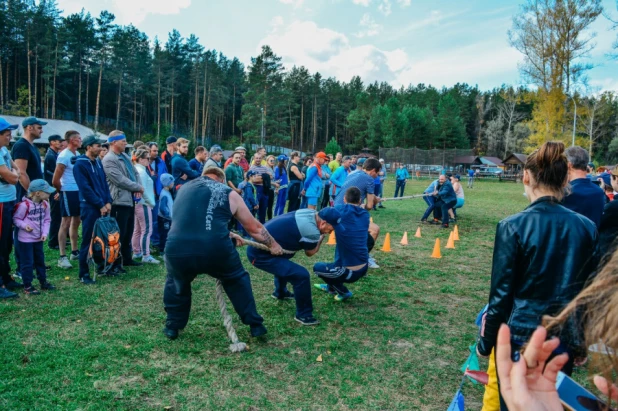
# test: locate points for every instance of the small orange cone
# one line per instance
(456, 234)
(436, 250)
(387, 243)
(451, 241)
(404, 240)
(418, 233)
(331, 239)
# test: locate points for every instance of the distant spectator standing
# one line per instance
(234, 174)
(216, 155)
(353, 164)
(181, 171)
(401, 177)
(295, 183)
(325, 195)
(104, 151)
(197, 163)
(9, 177)
(608, 229)
(281, 175)
(95, 199)
(64, 182)
(156, 168)
(143, 210)
(585, 197)
(126, 188)
(382, 176)
(243, 160)
(168, 154)
(336, 163)
(313, 186)
(166, 206)
(470, 178)
(338, 177)
(270, 163)
(49, 165)
(262, 182)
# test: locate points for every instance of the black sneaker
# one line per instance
(424, 220)
(444, 225)
(258, 331)
(31, 291)
(307, 320)
(119, 270)
(435, 222)
(132, 263)
(13, 285)
(47, 286)
(86, 280)
(286, 296)
(170, 333)
(5, 294)
(381, 206)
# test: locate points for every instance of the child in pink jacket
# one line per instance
(32, 218)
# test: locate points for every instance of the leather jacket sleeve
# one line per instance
(503, 276)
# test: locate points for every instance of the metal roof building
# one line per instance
(52, 127)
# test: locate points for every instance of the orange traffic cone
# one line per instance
(418, 233)
(387, 243)
(436, 250)
(331, 239)
(404, 240)
(451, 241)
(456, 234)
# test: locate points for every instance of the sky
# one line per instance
(402, 42)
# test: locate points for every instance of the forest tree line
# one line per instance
(105, 75)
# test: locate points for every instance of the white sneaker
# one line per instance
(136, 256)
(372, 263)
(63, 262)
(74, 256)
(150, 260)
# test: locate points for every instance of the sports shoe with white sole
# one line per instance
(150, 260)
(307, 320)
(63, 262)
(372, 263)
(136, 256)
(74, 255)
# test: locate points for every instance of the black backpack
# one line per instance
(105, 244)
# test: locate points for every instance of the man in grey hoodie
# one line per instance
(126, 189)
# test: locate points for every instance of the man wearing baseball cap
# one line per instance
(9, 177)
(244, 164)
(299, 230)
(56, 144)
(95, 198)
(169, 152)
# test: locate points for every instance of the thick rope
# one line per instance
(264, 247)
(407, 197)
(236, 345)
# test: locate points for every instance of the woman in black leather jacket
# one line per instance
(542, 256)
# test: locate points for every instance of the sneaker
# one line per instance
(258, 331)
(119, 270)
(150, 260)
(286, 296)
(424, 220)
(435, 222)
(13, 285)
(307, 320)
(381, 206)
(47, 286)
(136, 256)
(63, 262)
(132, 263)
(444, 225)
(170, 333)
(31, 291)
(372, 263)
(17, 274)
(5, 294)
(341, 297)
(325, 288)
(74, 255)
(86, 280)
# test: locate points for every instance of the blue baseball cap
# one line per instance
(171, 140)
(252, 173)
(282, 157)
(166, 179)
(31, 121)
(5, 125)
(332, 216)
(40, 185)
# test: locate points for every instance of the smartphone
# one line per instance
(574, 397)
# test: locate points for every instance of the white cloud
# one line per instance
(126, 11)
(385, 7)
(404, 3)
(296, 3)
(276, 22)
(364, 3)
(369, 27)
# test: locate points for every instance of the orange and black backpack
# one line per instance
(105, 243)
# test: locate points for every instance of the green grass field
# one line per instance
(397, 345)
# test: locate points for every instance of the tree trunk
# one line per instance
(86, 100)
(53, 112)
(172, 104)
(79, 92)
(29, 77)
(159, 105)
(135, 110)
(141, 117)
(234, 111)
(196, 106)
(1, 85)
(204, 100)
(327, 113)
(119, 101)
(97, 105)
(36, 79)
(315, 121)
(302, 121)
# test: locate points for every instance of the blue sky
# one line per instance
(398, 41)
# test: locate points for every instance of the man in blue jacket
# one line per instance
(445, 200)
(56, 145)
(156, 169)
(95, 198)
(181, 171)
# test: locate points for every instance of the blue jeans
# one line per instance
(376, 190)
(399, 185)
(154, 238)
(6, 240)
(281, 200)
(336, 276)
(286, 271)
(440, 210)
(32, 257)
(262, 199)
(431, 201)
